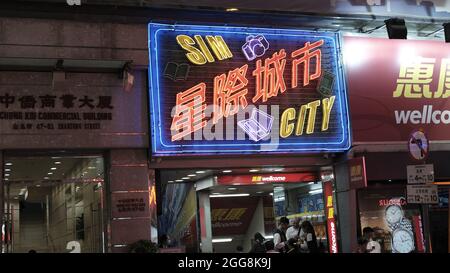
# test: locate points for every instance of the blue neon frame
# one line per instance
(159, 145)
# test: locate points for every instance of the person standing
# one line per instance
(309, 238)
(294, 231)
(279, 236)
(372, 245)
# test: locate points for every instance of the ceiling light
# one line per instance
(49, 173)
(253, 170)
(232, 189)
(200, 172)
(232, 9)
(55, 157)
(46, 177)
(230, 195)
(53, 168)
(215, 193)
(8, 164)
(7, 174)
(170, 181)
(58, 162)
(38, 185)
(227, 171)
(186, 178)
(6, 179)
(92, 168)
(223, 240)
(315, 191)
(179, 180)
(192, 175)
(259, 192)
(7, 170)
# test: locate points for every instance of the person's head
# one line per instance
(368, 232)
(32, 251)
(239, 249)
(259, 238)
(269, 245)
(307, 227)
(296, 223)
(284, 223)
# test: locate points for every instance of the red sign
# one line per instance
(418, 231)
(266, 178)
(232, 215)
(396, 87)
(331, 222)
(357, 168)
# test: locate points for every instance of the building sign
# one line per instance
(394, 93)
(235, 90)
(330, 215)
(420, 174)
(266, 178)
(130, 204)
(357, 168)
(423, 194)
(232, 215)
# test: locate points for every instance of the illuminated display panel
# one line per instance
(235, 90)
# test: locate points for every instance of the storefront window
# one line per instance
(54, 204)
(397, 225)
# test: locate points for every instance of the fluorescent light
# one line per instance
(259, 192)
(7, 174)
(186, 178)
(192, 175)
(179, 180)
(46, 177)
(38, 186)
(53, 168)
(8, 164)
(49, 173)
(7, 170)
(6, 179)
(315, 191)
(232, 189)
(271, 193)
(170, 181)
(253, 170)
(227, 171)
(230, 195)
(58, 162)
(223, 240)
(92, 168)
(200, 172)
(232, 9)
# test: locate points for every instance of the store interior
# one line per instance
(53, 204)
(238, 210)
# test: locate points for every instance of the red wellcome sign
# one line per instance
(396, 87)
(266, 178)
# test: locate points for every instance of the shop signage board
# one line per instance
(330, 215)
(357, 168)
(420, 174)
(216, 90)
(394, 93)
(266, 178)
(422, 194)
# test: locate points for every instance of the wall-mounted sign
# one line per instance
(423, 194)
(420, 174)
(393, 93)
(245, 90)
(266, 178)
(330, 215)
(357, 168)
(418, 145)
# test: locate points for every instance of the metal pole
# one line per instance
(426, 228)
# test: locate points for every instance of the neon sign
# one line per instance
(246, 90)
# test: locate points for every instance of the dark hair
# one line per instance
(367, 230)
(307, 226)
(259, 238)
(284, 220)
(32, 251)
(269, 245)
(239, 248)
(362, 241)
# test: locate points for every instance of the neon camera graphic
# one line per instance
(258, 126)
(255, 46)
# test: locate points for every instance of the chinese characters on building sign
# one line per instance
(245, 90)
(55, 112)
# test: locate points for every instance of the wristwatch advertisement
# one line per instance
(402, 240)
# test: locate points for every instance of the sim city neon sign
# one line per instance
(245, 90)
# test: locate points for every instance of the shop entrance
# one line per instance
(53, 204)
(221, 210)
